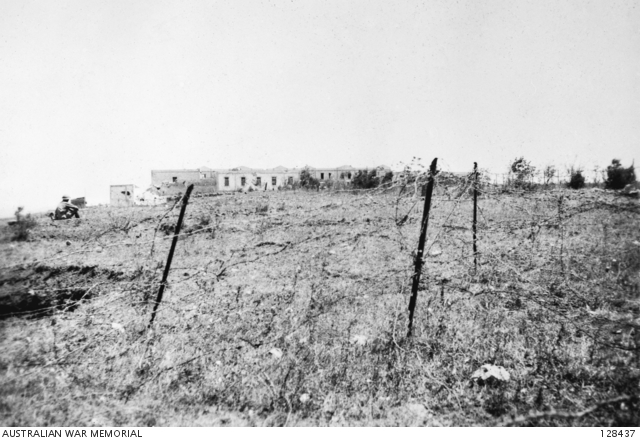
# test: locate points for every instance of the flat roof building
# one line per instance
(243, 178)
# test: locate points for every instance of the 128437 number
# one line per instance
(617, 433)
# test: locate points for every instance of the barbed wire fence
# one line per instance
(316, 222)
(529, 221)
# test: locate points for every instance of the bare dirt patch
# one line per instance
(41, 289)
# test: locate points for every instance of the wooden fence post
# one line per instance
(174, 242)
(421, 242)
(475, 214)
(561, 228)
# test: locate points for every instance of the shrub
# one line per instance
(328, 184)
(618, 176)
(364, 179)
(23, 226)
(306, 180)
(576, 180)
(117, 222)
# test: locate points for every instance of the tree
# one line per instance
(549, 173)
(523, 172)
(618, 176)
(308, 181)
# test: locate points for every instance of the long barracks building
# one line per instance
(243, 178)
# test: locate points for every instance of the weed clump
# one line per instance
(120, 222)
(23, 226)
(203, 223)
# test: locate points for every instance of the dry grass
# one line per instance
(290, 308)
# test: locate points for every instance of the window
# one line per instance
(243, 181)
(349, 175)
(321, 175)
(274, 180)
(290, 180)
(174, 179)
(226, 181)
(259, 181)
(329, 175)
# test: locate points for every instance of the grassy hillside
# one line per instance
(291, 308)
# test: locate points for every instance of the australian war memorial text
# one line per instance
(71, 433)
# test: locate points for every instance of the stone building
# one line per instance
(180, 175)
(122, 195)
(244, 178)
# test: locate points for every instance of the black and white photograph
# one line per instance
(319, 213)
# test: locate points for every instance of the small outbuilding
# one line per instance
(122, 195)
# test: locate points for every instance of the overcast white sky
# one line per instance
(94, 93)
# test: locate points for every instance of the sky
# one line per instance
(95, 93)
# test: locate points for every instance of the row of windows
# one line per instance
(342, 175)
(243, 181)
(274, 180)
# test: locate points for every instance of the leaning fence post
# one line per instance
(176, 234)
(475, 214)
(561, 228)
(421, 241)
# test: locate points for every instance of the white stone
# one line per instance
(488, 371)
